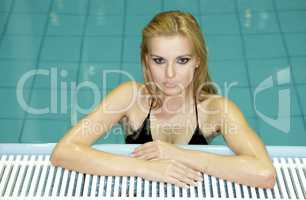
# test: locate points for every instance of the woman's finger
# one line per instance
(142, 150)
(191, 173)
(177, 182)
(143, 147)
(180, 175)
(146, 152)
(148, 156)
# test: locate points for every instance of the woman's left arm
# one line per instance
(251, 165)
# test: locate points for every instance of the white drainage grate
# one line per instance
(32, 176)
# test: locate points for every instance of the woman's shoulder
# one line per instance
(217, 104)
(128, 85)
(134, 93)
(216, 110)
(129, 89)
(131, 85)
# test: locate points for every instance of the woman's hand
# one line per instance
(156, 150)
(172, 171)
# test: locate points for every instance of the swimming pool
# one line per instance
(256, 47)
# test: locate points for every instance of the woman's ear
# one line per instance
(197, 61)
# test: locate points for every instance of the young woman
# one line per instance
(177, 104)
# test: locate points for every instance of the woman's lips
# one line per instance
(170, 85)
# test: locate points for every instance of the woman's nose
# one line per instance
(170, 71)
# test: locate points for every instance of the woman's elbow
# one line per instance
(269, 179)
(58, 153)
(64, 152)
(54, 160)
(55, 156)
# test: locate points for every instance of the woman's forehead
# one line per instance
(170, 45)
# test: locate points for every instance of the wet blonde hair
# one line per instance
(172, 23)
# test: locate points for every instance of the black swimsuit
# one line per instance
(143, 134)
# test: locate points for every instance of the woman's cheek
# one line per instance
(186, 76)
(157, 73)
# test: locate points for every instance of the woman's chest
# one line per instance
(174, 129)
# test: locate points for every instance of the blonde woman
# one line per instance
(177, 104)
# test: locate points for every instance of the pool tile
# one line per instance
(290, 5)
(191, 6)
(100, 25)
(264, 46)
(43, 107)
(61, 72)
(258, 5)
(296, 43)
(132, 71)
(61, 48)
(299, 69)
(221, 47)
(149, 7)
(242, 98)
(273, 136)
(131, 49)
(86, 101)
(26, 24)
(10, 130)
(100, 75)
(268, 102)
(105, 7)
(135, 24)
(43, 131)
(3, 19)
(252, 122)
(11, 72)
(5, 5)
(20, 47)
(220, 24)
(261, 69)
(258, 22)
(218, 140)
(70, 6)
(101, 49)
(238, 73)
(65, 25)
(13, 108)
(213, 6)
(290, 21)
(30, 6)
(301, 89)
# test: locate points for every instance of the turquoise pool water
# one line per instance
(257, 46)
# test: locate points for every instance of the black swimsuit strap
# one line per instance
(195, 103)
(150, 108)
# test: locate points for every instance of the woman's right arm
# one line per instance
(74, 150)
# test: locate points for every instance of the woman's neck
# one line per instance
(175, 104)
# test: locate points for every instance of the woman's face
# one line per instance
(172, 62)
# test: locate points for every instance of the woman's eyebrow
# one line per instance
(184, 55)
(155, 55)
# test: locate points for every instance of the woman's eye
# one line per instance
(158, 60)
(183, 60)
